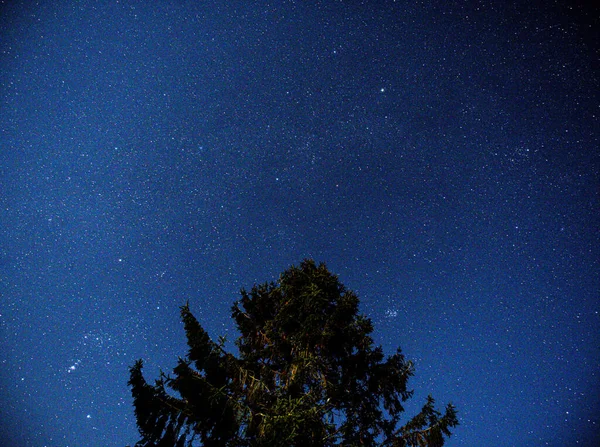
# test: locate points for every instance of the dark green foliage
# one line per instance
(308, 375)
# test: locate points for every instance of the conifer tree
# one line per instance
(307, 374)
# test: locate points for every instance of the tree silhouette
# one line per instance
(307, 374)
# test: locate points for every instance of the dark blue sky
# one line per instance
(442, 158)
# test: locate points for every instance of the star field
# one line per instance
(440, 157)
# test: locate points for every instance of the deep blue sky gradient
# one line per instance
(441, 157)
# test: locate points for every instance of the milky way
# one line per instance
(440, 157)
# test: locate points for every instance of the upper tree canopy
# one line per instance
(308, 374)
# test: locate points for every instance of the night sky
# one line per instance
(441, 157)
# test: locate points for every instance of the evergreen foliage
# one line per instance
(308, 374)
